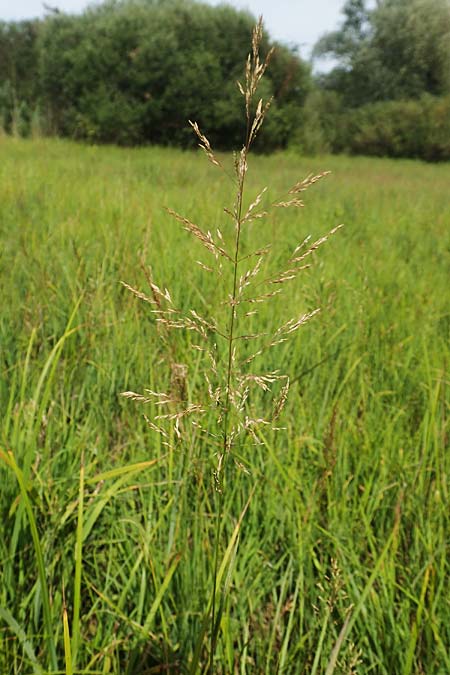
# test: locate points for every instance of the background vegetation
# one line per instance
(135, 72)
(106, 548)
(132, 72)
(350, 514)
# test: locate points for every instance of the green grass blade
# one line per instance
(287, 636)
(8, 458)
(319, 648)
(67, 649)
(8, 618)
(120, 471)
(161, 591)
(416, 626)
(348, 625)
(78, 569)
(229, 555)
(102, 500)
(337, 646)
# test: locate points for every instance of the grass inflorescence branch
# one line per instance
(228, 418)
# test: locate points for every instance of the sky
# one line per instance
(295, 22)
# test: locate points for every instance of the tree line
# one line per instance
(134, 71)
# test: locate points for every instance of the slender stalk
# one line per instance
(78, 570)
(225, 448)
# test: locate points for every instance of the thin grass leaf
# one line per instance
(160, 594)
(26, 643)
(332, 663)
(9, 460)
(78, 569)
(67, 648)
(121, 471)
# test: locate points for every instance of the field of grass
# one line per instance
(107, 535)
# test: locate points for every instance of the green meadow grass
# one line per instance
(106, 536)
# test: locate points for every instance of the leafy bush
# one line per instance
(317, 131)
(417, 129)
(136, 71)
(18, 75)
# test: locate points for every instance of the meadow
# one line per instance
(106, 534)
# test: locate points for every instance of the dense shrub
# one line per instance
(19, 85)
(136, 71)
(317, 131)
(416, 129)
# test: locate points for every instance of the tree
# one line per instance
(135, 71)
(18, 71)
(398, 50)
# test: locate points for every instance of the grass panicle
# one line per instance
(230, 383)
